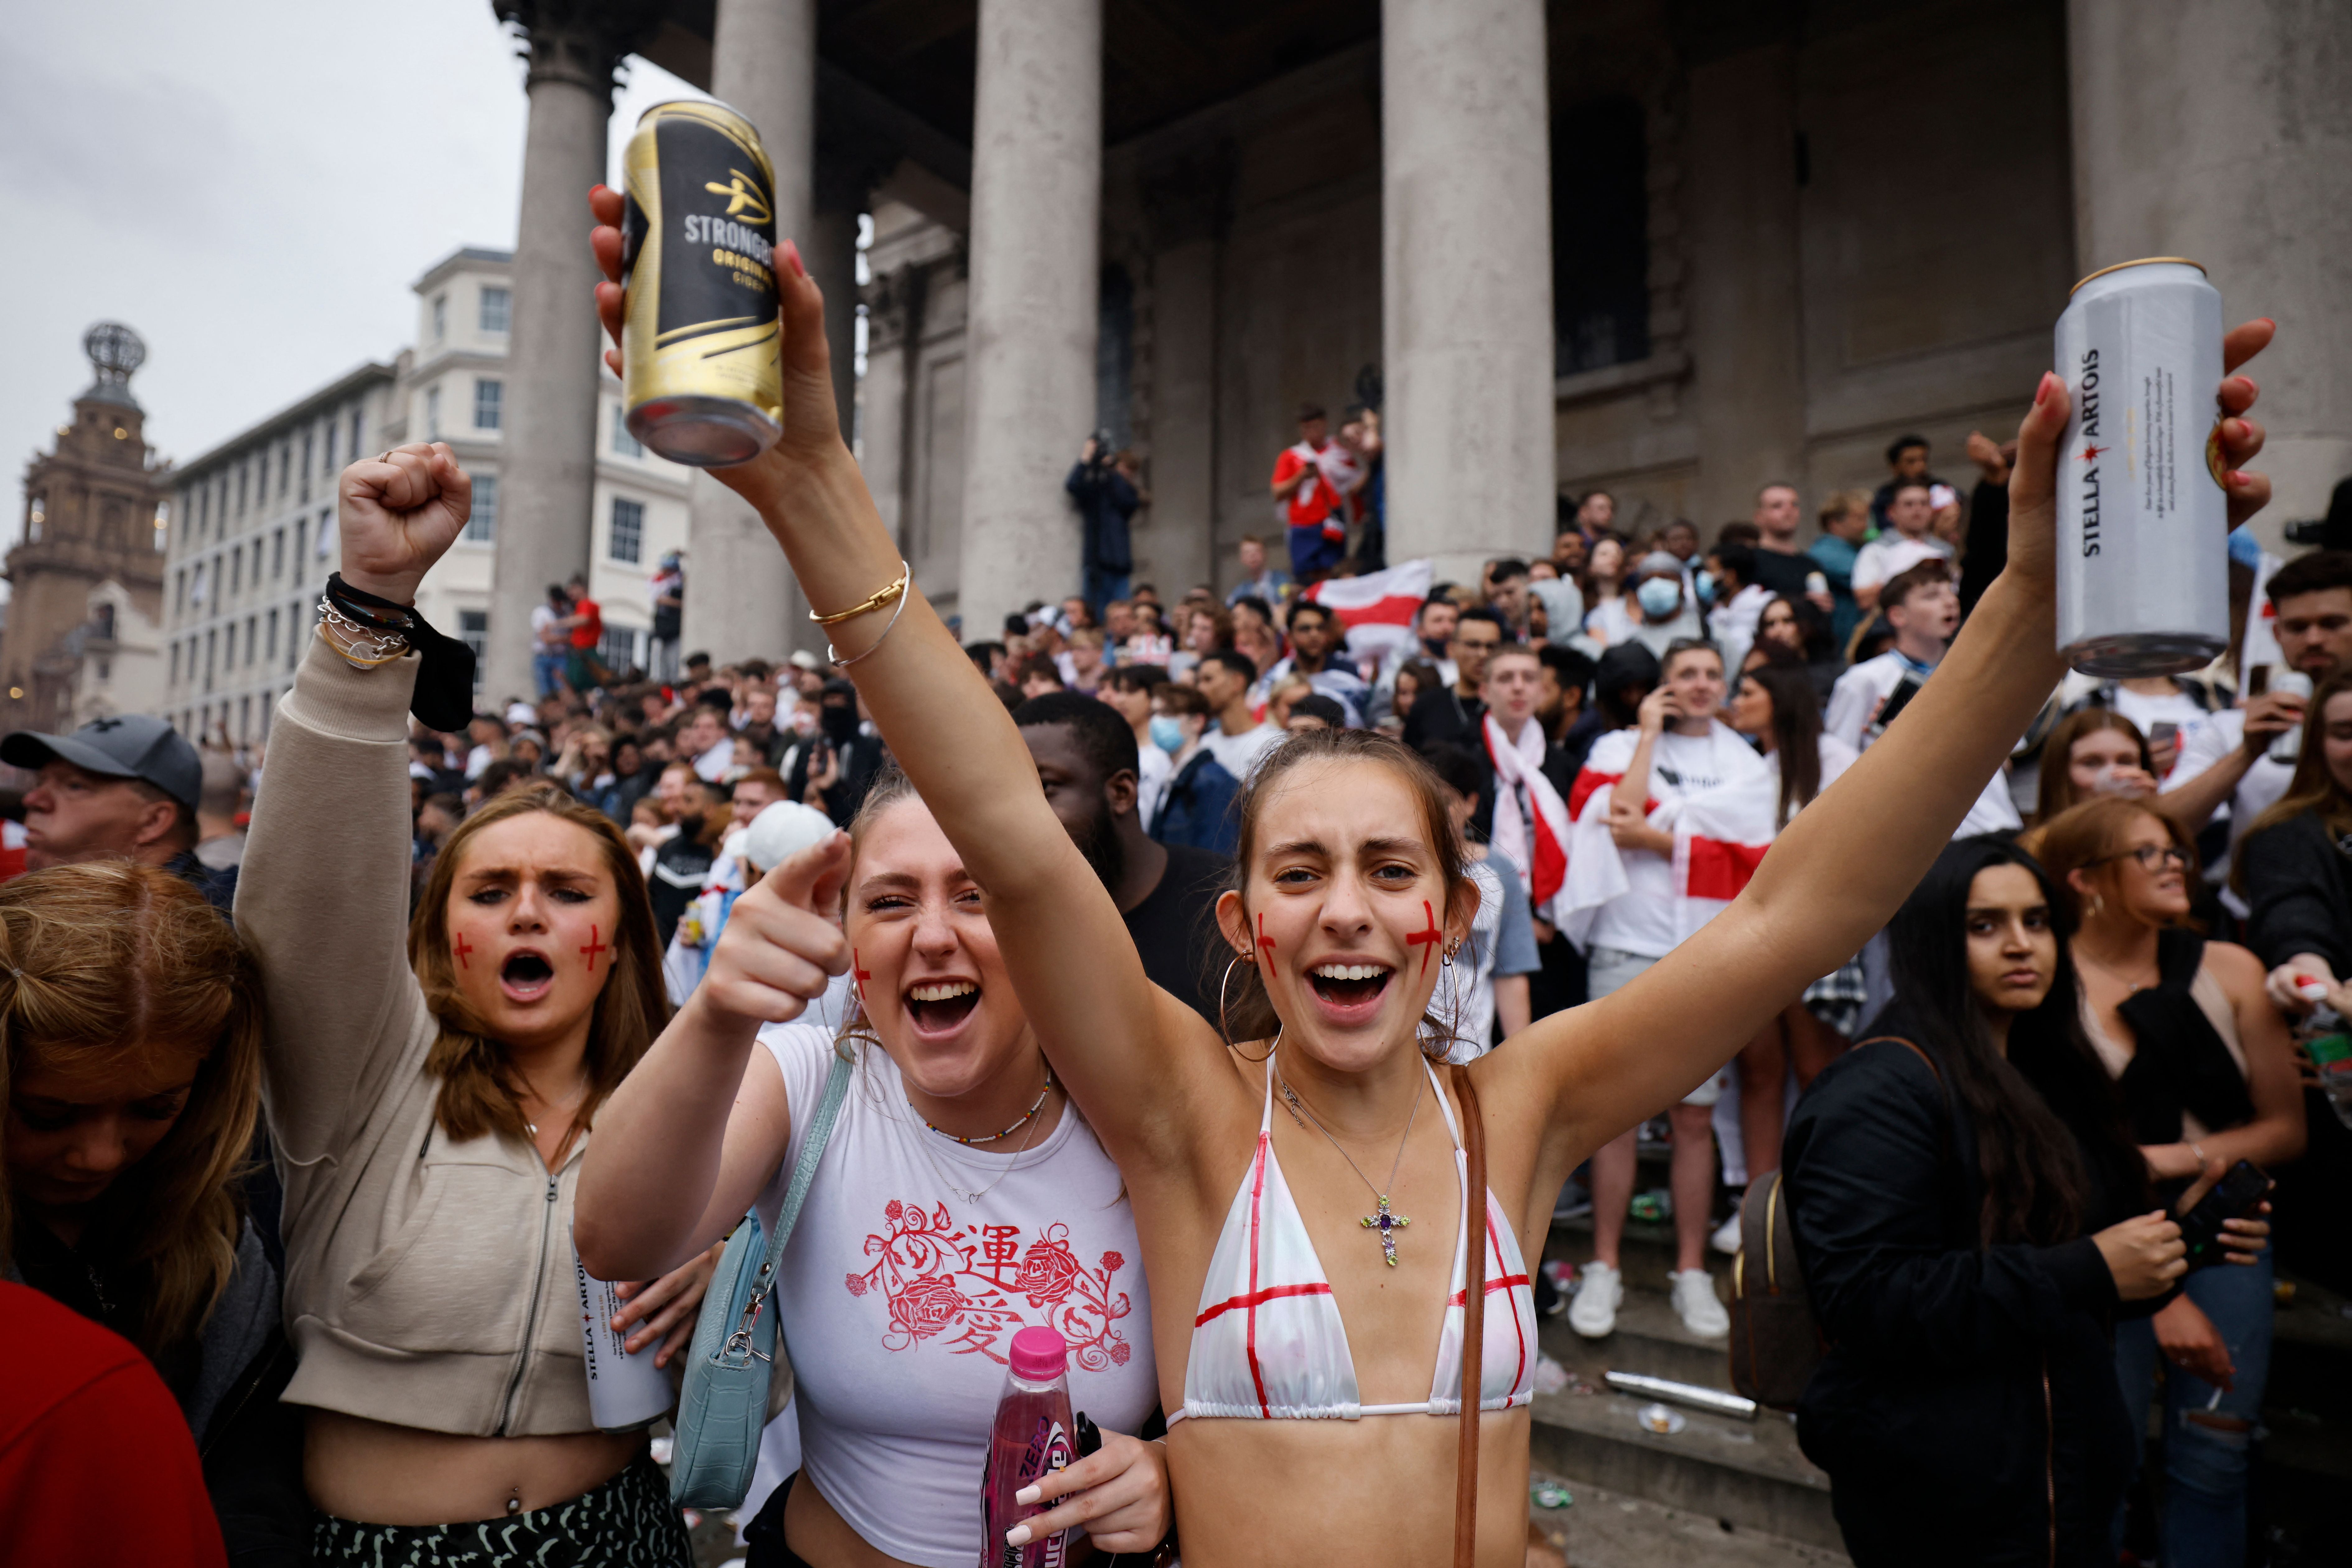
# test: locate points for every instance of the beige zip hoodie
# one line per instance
(429, 1282)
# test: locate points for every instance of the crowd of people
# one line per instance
(322, 1062)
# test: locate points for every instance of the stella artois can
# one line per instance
(699, 375)
(2142, 525)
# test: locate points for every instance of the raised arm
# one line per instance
(1101, 1021)
(323, 892)
(1836, 874)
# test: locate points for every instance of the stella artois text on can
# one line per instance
(2143, 569)
(698, 371)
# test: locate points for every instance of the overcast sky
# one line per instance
(252, 185)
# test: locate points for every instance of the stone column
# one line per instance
(548, 450)
(1037, 200)
(2224, 133)
(894, 323)
(1465, 280)
(741, 601)
(1742, 293)
(1177, 545)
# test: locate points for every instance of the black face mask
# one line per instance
(840, 724)
(1434, 647)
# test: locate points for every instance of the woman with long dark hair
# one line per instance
(2207, 1075)
(1800, 628)
(1971, 1220)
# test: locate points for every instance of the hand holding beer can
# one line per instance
(624, 1391)
(701, 380)
(2143, 522)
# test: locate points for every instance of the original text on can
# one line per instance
(701, 379)
(2142, 575)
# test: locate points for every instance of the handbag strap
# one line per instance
(788, 1213)
(1474, 1324)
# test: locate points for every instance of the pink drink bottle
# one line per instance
(1032, 1433)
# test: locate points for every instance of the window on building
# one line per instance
(497, 307)
(628, 538)
(272, 651)
(488, 395)
(482, 523)
(252, 625)
(1599, 235)
(268, 706)
(306, 464)
(105, 620)
(440, 317)
(209, 646)
(474, 631)
(285, 465)
(179, 590)
(240, 488)
(301, 532)
(244, 718)
(1115, 354)
(328, 463)
(624, 443)
(325, 539)
(236, 570)
(617, 647)
(355, 446)
(294, 626)
(175, 664)
(276, 556)
(432, 412)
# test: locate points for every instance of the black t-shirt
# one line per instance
(1784, 574)
(1175, 927)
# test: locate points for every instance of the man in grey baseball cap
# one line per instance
(123, 788)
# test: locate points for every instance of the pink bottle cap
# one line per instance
(1039, 1355)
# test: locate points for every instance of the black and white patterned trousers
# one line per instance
(627, 1522)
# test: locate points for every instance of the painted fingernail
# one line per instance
(792, 256)
(2239, 476)
(1017, 1536)
(2042, 390)
(1028, 1495)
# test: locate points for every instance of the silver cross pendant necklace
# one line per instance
(1383, 1220)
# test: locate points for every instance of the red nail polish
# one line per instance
(2041, 389)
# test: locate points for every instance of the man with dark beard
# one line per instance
(1085, 757)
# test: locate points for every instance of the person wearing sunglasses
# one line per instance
(2207, 1076)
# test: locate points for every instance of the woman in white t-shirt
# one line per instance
(1606, 618)
(1487, 981)
(960, 1199)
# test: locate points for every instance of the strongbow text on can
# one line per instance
(2143, 567)
(699, 372)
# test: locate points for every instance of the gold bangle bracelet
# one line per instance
(875, 601)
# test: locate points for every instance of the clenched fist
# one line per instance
(399, 513)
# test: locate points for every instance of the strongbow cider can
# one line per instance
(2143, 551)
(698, 371)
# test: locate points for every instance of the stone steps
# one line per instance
(1748, 1475)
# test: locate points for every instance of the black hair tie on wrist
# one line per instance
(443, 698)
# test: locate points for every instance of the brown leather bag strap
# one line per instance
(1474, 1325)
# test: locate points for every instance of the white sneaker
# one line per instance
(1696, 1305)
(1726, 1238)
(1593, 1313)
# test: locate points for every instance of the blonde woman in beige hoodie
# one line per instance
(430, 1087)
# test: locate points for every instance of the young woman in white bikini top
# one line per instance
(1350, 886)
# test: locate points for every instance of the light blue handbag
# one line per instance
(736, 1352)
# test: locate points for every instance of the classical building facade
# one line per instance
(1672, 248)
(453, 388)
(88, 560)
(252, 541)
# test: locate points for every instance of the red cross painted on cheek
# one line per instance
(1426, 941)
(461, 947)
(860, 972)
(1264, 940)
(596, 944)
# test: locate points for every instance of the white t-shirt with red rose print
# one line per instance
(899, 1298)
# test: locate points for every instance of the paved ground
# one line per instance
(1604, 1529)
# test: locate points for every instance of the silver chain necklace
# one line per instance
(1382, 1219)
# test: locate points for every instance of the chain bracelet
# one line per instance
(364, 646)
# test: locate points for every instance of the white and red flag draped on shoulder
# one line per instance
(1378, 607)
(1531, 822)
(1720, 833)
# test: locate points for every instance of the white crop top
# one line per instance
(899, 1295)
(1268, 1345)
